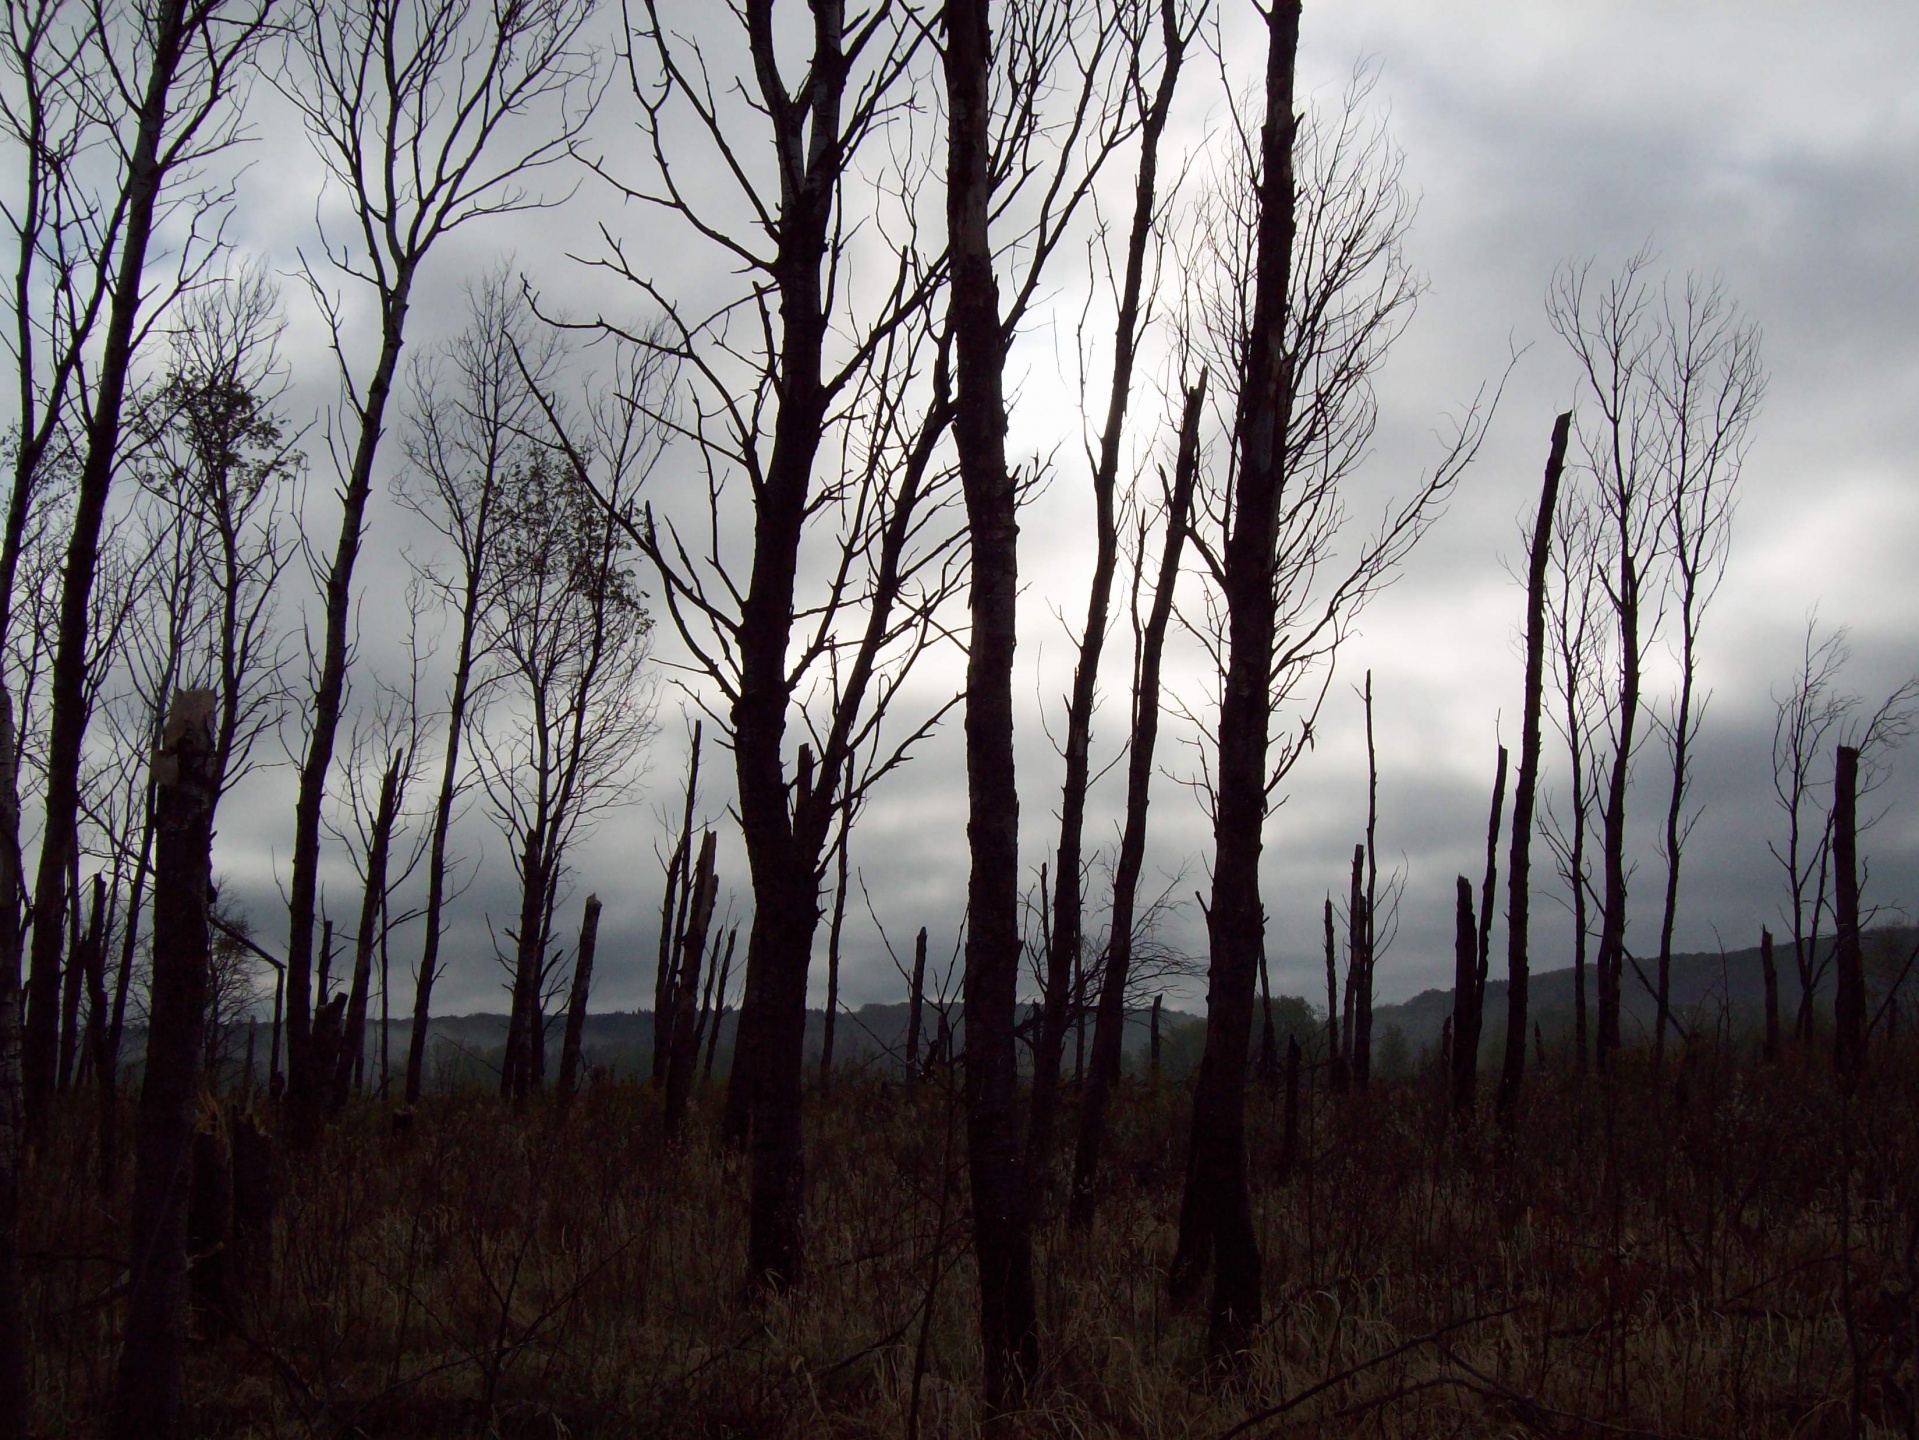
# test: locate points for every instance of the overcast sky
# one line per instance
(1768, 143)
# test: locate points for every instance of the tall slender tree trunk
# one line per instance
(833, 931)
(13, 1327)
(913, 1010)
(576, 1000)
(1359, 989)
(1612, 919)
(67, 723)
(1109, 1032)
(1335, 1051)
(147, 1392)
(516, 1069)
(1519, 867)
(1216, 1223)
(1849, 979)
(436, 863)
(1002, 1240)
(1063, 955)
(1770, 972)
(379, 842)
(304, 1081)
(1467, 1002)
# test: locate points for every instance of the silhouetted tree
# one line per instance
(1518, 875)
(428, 114)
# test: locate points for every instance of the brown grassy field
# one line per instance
(1724, 1250)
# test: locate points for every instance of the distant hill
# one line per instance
(1710, 993)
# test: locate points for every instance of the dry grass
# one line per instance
(1727, 1251)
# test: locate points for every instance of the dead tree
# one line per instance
(1468, 1004)
(1708, 384)
(1770, 972)
(913, 1010)
(1109, 1032)
(690, 953)
(1487, 891)
(1300, 315)
(1849, 1001)
(13, 1328)
(373, 898)
(1335, 1051)
(147, 1390)
(1067, 938)
(467, 433)
(1002, 1236)
(429, 114)
(1575, 622)
(1519, 867)
(1359, 979)
(820, 436)
(176, 75)
(576, 999)
(833, 932)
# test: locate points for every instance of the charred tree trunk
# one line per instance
(1063, 955)
(1849, 998)
(1359, 984)
(13, 1327)
(1110, 1030)
(1771, 973)
(1484, 942)
(174, 24)
(834, 927)
(147, 1391)
(576, 999)
(683, 1051)
(305, 1076)
(1519, 867)
(436, 863)
(372, 900)
(1612, 918)
(516, 1067)
(719, 1003)
(1002, 1240)
(913, 1010)
(1216, 1224)
(1335, 1053)
(1467, 1002)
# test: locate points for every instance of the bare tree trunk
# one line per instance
(1216, 1223)
(833, 939)
(1518, 877)
(379, 841)
(1467, 1002)
(13, 1329)
(576, 1000)
(719, 1004)
(1487, 892)
(1335, 1052)
(1110, 1032)
(1849, 1000)
(682, 1053)
(1063, 955)
(1359, 990)
(147, 1391)
(1771, 974)
(1002, 1240)
(672, 919)
(913, 1011)
(175, 24)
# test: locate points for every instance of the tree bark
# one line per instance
(913, 1011)
(1063, 954)
(13, 1328)
(379, 842)
(67, 723)
(147, 1391)
(576, 1001)
(1771, 974)
(1216, 1216)
(1109, 1032)
(1002, 1241)
(1518, 876)
(1467, 1002)
(1359, 980)
(1849, 999)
